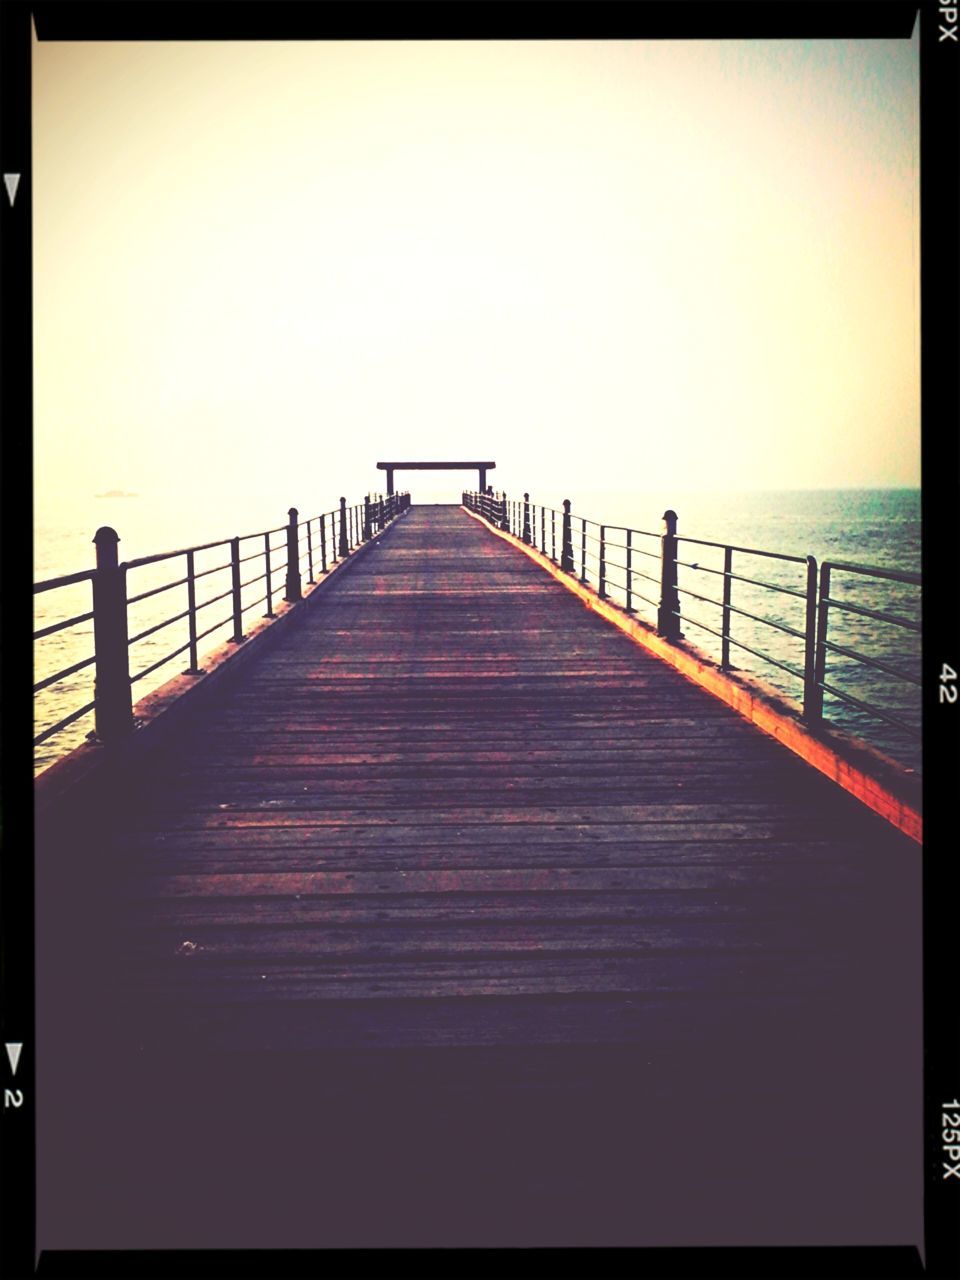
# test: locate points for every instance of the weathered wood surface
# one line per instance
(454, 780)
(658, 978)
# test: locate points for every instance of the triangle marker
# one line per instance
(13, 1053)
(11, 181)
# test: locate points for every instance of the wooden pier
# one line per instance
(486, 927)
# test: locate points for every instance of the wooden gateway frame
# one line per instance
(480, 467)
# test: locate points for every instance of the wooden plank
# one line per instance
(740, 903)
(206, 941)
(485, 880)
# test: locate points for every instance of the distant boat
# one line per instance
(116, 493)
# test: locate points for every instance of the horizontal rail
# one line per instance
(60, 626)
(62, 724)
(155, 591)
(749, 551)
(745, 613)
(872, 571)
(878, 615)
(171, 555)
(62, 675)
(264, 533)
(247, 607)
(65, 580)
(161, 662)
(205, 604)
(216, 627)
(159, 626)
(873, 662)
(739, 577)
(205, 573)
(871, 710)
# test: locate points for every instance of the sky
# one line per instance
(263, 267)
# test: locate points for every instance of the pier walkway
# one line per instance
(665, 963)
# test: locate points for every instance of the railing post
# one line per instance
(268, 575)
(323, 543)
(813, 707)
(629, 533)
(343, 548)
(193, 668)
(583, 548)
(526, 518)
(504, 513)
(602, 585)
(553, 535)
(543, 530)
(294, 589)
(725, 624)
(235, 582)
(114, 703)
(668, 615)
(367, 525)
(380, 514)
(810, 645)
(310, 548)
(566, 550)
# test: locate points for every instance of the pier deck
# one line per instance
(455, 810)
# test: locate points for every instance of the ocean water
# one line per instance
(870, 527)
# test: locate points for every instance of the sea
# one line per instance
(869, 527)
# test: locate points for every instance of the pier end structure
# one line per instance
(481, 469)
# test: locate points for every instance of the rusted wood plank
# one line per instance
(754, 903)
(480, 846)
(574, 811)
(380, 941)
(551, 783)
(489, 879)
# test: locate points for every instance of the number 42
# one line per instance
(948, 684)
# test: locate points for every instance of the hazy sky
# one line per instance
(265, 266)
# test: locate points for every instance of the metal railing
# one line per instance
(636, 568)
(249, 571)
